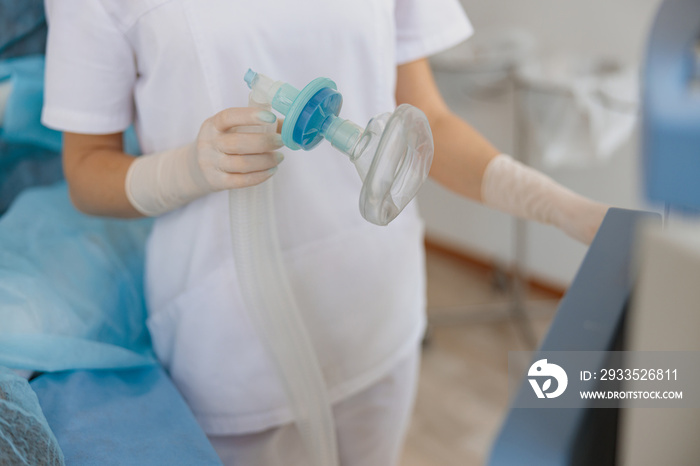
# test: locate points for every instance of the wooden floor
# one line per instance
(463, 388)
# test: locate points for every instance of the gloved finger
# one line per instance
(248, 143)
(242, 180)
(229, 118)
(249, 163)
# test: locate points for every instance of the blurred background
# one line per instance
(463, 389)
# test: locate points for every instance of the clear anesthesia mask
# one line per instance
(392, 154)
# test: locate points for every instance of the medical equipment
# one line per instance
(392, 154)
(664, 311)
(671, 111)
(275, 314)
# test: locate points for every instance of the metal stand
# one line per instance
(520, 230)
(517, 308)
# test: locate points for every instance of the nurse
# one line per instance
(173, 69)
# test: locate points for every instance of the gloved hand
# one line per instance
(519, 190)
(230, 152)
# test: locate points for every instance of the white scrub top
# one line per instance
(166, 66)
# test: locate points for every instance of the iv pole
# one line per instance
(517, 307)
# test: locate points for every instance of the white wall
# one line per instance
(591, 28)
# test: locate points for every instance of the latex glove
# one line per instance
(228, 154)
(519, 190)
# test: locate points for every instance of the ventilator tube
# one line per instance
(268, 296)
(392, 155)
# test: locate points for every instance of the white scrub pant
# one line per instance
(370, 427)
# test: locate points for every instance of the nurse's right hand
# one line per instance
(237, 148)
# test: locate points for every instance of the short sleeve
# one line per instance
(90, 70)
(426, 27)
